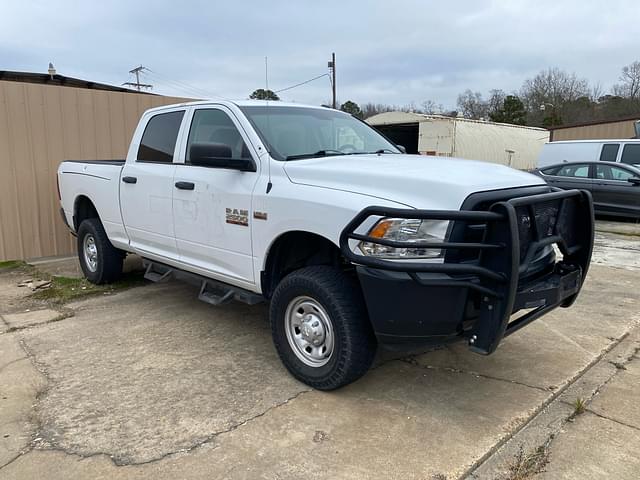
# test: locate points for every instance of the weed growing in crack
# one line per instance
(527, 464)
(579, 406)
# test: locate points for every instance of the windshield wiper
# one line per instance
(319, 153)
(384, 150)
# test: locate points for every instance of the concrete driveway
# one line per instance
(151, 383)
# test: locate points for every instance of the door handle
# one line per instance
(185, 185)
(129, 179)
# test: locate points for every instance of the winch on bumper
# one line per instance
(486, 274)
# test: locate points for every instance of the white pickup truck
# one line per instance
(354, 243)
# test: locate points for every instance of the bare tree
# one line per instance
(495, 102)
(547, 94)
(629, 86)
(472, 105)
(431, 108)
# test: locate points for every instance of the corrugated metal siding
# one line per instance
(614, 130)
(41, 125)
(512, 146)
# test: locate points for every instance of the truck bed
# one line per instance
(99, 182)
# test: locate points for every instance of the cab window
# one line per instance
(215, 126)
(159, 138)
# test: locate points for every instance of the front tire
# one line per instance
(100, 261)
(320, 327)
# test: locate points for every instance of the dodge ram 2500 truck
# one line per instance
(352, 242)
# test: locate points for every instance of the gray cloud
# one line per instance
(392, 52)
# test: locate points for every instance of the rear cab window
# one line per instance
(159, 139)
(609, 152)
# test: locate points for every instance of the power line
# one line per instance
(179, 85)
(301, 83)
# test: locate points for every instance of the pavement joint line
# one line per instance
(604, 417)
(33, 446)
(6, 365)
(62, 316)
(554, 395)
(410, 361)
(470, 472)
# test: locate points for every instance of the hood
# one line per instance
(414, 180)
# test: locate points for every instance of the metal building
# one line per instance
(45, 119)
(627, 127)
(438, 135)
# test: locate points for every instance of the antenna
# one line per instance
(266, 88)
(139, 86)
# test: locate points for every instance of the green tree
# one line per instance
(512, 111)
(352, 108)
(262, 94)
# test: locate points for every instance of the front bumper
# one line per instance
(476, 291)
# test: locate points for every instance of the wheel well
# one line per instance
(294, 250)
(83, 209)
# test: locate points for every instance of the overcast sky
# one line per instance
(396, 52)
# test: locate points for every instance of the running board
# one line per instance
(212, 291)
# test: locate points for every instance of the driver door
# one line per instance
(212, 212)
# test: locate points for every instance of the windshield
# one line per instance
(292, 133)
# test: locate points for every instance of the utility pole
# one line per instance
(139, 86)
(332, 67)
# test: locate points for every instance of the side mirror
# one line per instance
(634, 181)
(401, 148)
(218, 155)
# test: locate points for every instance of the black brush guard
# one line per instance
(515, 231)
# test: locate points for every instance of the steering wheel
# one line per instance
(347, 148)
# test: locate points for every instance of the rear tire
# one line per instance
(100, 261)
(320, 327)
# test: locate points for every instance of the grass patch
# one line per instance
(11, 264)
(526, 465)
(65, 289)
(579, 406)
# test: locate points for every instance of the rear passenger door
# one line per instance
(146, 187)
(613, 193)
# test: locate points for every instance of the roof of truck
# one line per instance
(240, 103)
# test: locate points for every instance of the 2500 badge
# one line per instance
(237, 216)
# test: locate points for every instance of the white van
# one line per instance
(625, 151)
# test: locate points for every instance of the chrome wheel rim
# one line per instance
(309, 331)
(90, 251)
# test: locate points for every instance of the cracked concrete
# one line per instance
(151, 383)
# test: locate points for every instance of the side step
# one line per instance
(211, 291)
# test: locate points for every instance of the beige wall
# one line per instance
(41, 125)
(624, 129)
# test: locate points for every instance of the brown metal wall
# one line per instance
(41, 125)
(624, 129)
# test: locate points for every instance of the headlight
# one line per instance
(409, 230)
